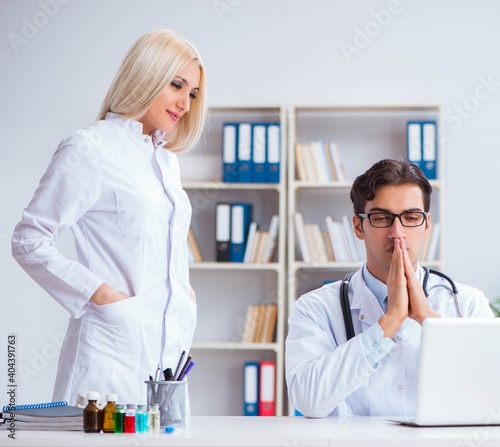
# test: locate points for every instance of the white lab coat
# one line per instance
(328, 376)
(120, 193)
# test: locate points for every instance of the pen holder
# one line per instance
(171, 399)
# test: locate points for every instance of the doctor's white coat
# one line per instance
(120, 193)
(328, 375)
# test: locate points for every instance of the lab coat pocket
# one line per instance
(118, 310)
(110, 336)
(130, 214)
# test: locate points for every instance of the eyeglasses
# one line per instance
(385, 220)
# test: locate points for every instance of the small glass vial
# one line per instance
(141, 419)
(129, 420)
(154, 418)
(92, 414)
(108, 414)
(119, 418)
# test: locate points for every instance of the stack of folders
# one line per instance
(422, 146)
(238, 238)
(260, 323)
(259, 392)
(53, 416)
(319, 161)
(336, 243)
(251, 152)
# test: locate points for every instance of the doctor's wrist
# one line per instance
(390, 324)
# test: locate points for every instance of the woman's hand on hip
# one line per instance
(105, 294)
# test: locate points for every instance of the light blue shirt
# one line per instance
(375, 345)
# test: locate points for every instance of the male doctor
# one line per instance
(375, 372)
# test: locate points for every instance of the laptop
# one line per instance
(459, 374)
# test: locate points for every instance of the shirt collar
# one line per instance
(377, 287)
(135, 127)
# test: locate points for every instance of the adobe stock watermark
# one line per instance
(31, 26)
(222, 7)
(40, 358)
(483, 91)
(482, 434)
(364, 36)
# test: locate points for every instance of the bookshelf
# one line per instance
(363, 135)
(225, 290)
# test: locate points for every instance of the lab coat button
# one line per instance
(361, 317)
(400, 387)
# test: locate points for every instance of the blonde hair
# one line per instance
(148, 67)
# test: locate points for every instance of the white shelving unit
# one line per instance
(225, 290)
(364, 135)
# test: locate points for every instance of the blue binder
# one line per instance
(223, 232)
(229, 152)
(244, 154)
(259, 152)
(429, 149)
(251, 388)
(273, 152)
(414, 142)
(241, 217)
(422, 146)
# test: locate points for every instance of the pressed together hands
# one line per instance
(405, 295)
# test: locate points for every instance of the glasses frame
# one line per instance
(368, 216)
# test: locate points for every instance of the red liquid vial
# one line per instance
(129, 420)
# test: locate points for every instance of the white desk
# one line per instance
(274, 431)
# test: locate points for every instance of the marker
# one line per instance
(158, 372)
(168, 374)
(190, 366)
(179, 363)
(183, 370)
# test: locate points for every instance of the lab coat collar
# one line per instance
(135, 128)
(368, 305)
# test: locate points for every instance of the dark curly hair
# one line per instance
(388, 173)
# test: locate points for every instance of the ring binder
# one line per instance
(8, 408)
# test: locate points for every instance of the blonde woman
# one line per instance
(116, 184)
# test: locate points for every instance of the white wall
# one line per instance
(57, 65)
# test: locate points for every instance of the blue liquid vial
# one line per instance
(141, 419)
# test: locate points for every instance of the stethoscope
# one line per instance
(453, 288)
(344, 296)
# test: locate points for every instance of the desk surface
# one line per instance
(274, 431)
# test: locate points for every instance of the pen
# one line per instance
(179, 363)
(158, 372)
(190, 366)
(155, 387)
(183, 370)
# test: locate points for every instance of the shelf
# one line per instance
(232, 346)
(322, 185)
(226, 290)
(328, 265)
(233, 266)
(231, 186)
(363, 135)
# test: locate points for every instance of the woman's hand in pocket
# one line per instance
(105, 294)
